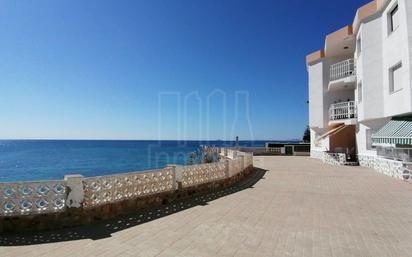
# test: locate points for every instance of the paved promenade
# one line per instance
(298, 207)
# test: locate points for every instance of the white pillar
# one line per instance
(75, 191)
(227, 173)
(177, 175)
(243, 162)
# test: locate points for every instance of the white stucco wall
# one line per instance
(361, 135)
(380, 52)
(408, 14)
(317, 81)
(339, 96)
(369, 71)
(322, 145)
(320, 98)
(395, 48)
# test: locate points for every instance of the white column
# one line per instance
(177, 175)
(75, 195)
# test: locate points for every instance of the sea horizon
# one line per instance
(48, 159)
(151, 140)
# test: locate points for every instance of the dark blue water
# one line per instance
(22, 160)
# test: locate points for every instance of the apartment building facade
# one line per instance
(360, 91)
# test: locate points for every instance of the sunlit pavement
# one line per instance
(298, 207)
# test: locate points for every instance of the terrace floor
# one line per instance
(298, 207)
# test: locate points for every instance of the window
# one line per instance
(394, 18)
(395, 78)
(360, 92)
(358, 46)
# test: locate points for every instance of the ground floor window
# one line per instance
(400, 153)
(395, 78)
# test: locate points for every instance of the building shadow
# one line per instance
(105, 229)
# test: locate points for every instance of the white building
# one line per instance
(360, 99)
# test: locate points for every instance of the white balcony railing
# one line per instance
(343, 111)
(342, 69)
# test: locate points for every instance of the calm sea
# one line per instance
(52, 159)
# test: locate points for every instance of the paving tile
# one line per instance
(300, 207)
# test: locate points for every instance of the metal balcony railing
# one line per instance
(342, 69)
(343, 111)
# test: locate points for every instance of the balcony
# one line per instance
(342, 75)
(345, 112)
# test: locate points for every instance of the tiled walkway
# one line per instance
(299, 207)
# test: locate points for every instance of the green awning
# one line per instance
(394, 132)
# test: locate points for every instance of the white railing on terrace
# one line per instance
(198, 174)
(118, 187)
(342, 69)
(75, 191)
(32, 197)
(343, 111)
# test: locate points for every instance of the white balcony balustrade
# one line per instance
(342, 69)
(343, 111)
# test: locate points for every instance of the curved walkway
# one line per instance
(299, 207)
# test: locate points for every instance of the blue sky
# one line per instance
(178, 69)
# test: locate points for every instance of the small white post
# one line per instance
(348, 110)
(172, 167)
(227, 172)
(75, 191)
(177, 175)
(242, 158)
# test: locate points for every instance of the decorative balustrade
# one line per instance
(108, 189)
(343, 111)
(235, 166)
(74, 191)
(342, 69)
(248, 159)
(32, 197)
(202, 173)
(231, 153)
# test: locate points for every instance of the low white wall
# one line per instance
(317, 154)
(40, 197)
(392, 168)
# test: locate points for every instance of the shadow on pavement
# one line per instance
(104, 229)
